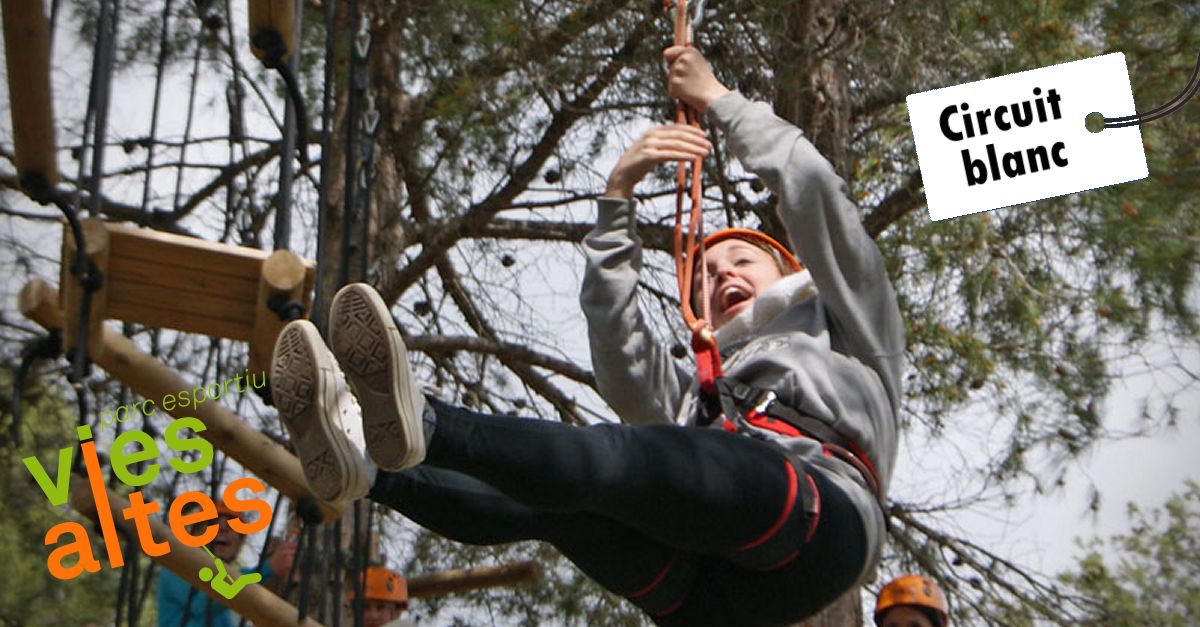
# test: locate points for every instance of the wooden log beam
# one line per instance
(275, 17)
(282, 276)
(153, 380)
(27, 49)
(254, 602)
(463, 580)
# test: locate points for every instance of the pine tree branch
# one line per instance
(540, 384)
(435, 244)
(898, 204)
(532, 50)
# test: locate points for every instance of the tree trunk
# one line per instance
(811, 91)
(391, 214)
(386, 240)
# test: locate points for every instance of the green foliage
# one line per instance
(1028, 309)
(30, 594)
(1150, 576)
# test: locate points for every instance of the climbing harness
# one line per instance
(750, 406)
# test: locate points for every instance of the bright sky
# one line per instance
(1040, 531)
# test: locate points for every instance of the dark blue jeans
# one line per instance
(695, 526)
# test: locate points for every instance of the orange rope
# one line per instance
(684, 263)
(704, 343)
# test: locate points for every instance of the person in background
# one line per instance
(911, 601)
(385, 597)
(181, 605)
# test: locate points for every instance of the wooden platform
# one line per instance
(169, 281)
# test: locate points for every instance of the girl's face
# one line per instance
(738, 272)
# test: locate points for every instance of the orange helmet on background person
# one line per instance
(913, 590)
(782, 255)
(225, 510)
(384, 584)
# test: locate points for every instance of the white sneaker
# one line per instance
(369, 347)
(321, 418)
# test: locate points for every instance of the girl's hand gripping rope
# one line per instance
(659, 144)
(690, 81)
(690, 78)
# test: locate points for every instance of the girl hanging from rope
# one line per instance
(758, 505)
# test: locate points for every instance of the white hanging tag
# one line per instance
(1020, 138)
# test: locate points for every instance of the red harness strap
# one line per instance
(708, 361)
(761, 409)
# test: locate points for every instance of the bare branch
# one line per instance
(540, 384)
(116, 210)
(534, 49)
(227, 175)
(897, 204)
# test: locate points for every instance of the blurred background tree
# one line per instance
(31, 595)
(1150, 575)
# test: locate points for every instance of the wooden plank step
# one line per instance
(185, 252)
(125, 297)
(178, 283)
(189, 323)
(171, 281)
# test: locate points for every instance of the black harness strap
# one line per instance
(745, 402)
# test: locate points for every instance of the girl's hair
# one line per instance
(760, 241)
(784, 267)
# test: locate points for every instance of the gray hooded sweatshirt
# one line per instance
(829, 341)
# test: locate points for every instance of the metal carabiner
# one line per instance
(764, 404)
(370, 120)
(362, 38)
(697, 10)
(698, 17)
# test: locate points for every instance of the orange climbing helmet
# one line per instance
(384, 584)
(225, 510)
(916, 591)
(757, 238)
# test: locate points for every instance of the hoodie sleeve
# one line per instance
(635, 375)
(825, 232)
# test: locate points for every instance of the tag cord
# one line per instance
(1173, 105)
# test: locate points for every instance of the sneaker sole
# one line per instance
(304, 389)
(371, 352)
